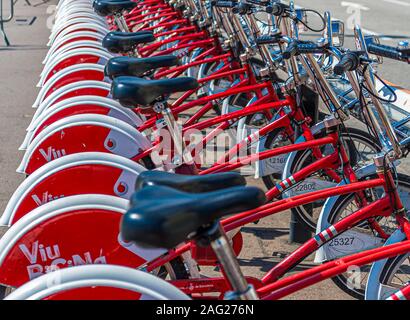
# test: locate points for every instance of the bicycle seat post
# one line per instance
(176, 134)
(216, 237)
(121, 23)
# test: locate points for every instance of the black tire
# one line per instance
(308, 214)
(275, 139)
(4, 291)
(393, 267)
(340, 206)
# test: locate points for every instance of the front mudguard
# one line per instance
(83, 133)
(98, 282)
(81, 173)
(325, 253)
(77, 230)
(281, 164)
(374, 289)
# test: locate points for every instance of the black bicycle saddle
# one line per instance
(189, 183)
(132, 91)
(137, 67)
(163, 217)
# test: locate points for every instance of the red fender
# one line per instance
(70, 231)
(78, 75)
(83, 133)
(77, 59)
(85, 173)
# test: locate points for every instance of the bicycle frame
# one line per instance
(269, 283)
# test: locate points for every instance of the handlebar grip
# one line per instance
(384, 51)
(267, 39)
(241, 8)
(278, 9)
(310, 48)
(349, 62)
(297, 47)
(224, 4)
(290, 51)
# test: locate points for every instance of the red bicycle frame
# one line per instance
(270, 287)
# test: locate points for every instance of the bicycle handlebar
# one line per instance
(389, 52)
(268, 39)
(297, 47)
(224, 4)
(349, 62)
(241, 8)
(384, 51)
(279, 8)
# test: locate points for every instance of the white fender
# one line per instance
(241, 130)
(35, 224)
(73, 15)
(74, 45)
(70, 88)
(74, 22)
(61, 55)
(226, 108)
(374, 289)
(62, 5)
(116, 111)
(324, 253)
(75, 12)
(61, 8)
(119, 112)
(149, 286)
(57, 207)
(102, 55)
(63, 73)
(286, 169)
(69, 8)
(280, 163)
(62, 163)
(120, 131)
(68, 38)
(95, 28)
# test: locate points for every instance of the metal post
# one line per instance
(4, 20)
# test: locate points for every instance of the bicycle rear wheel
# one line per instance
(346, 205)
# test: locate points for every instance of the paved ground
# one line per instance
(20, 66)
